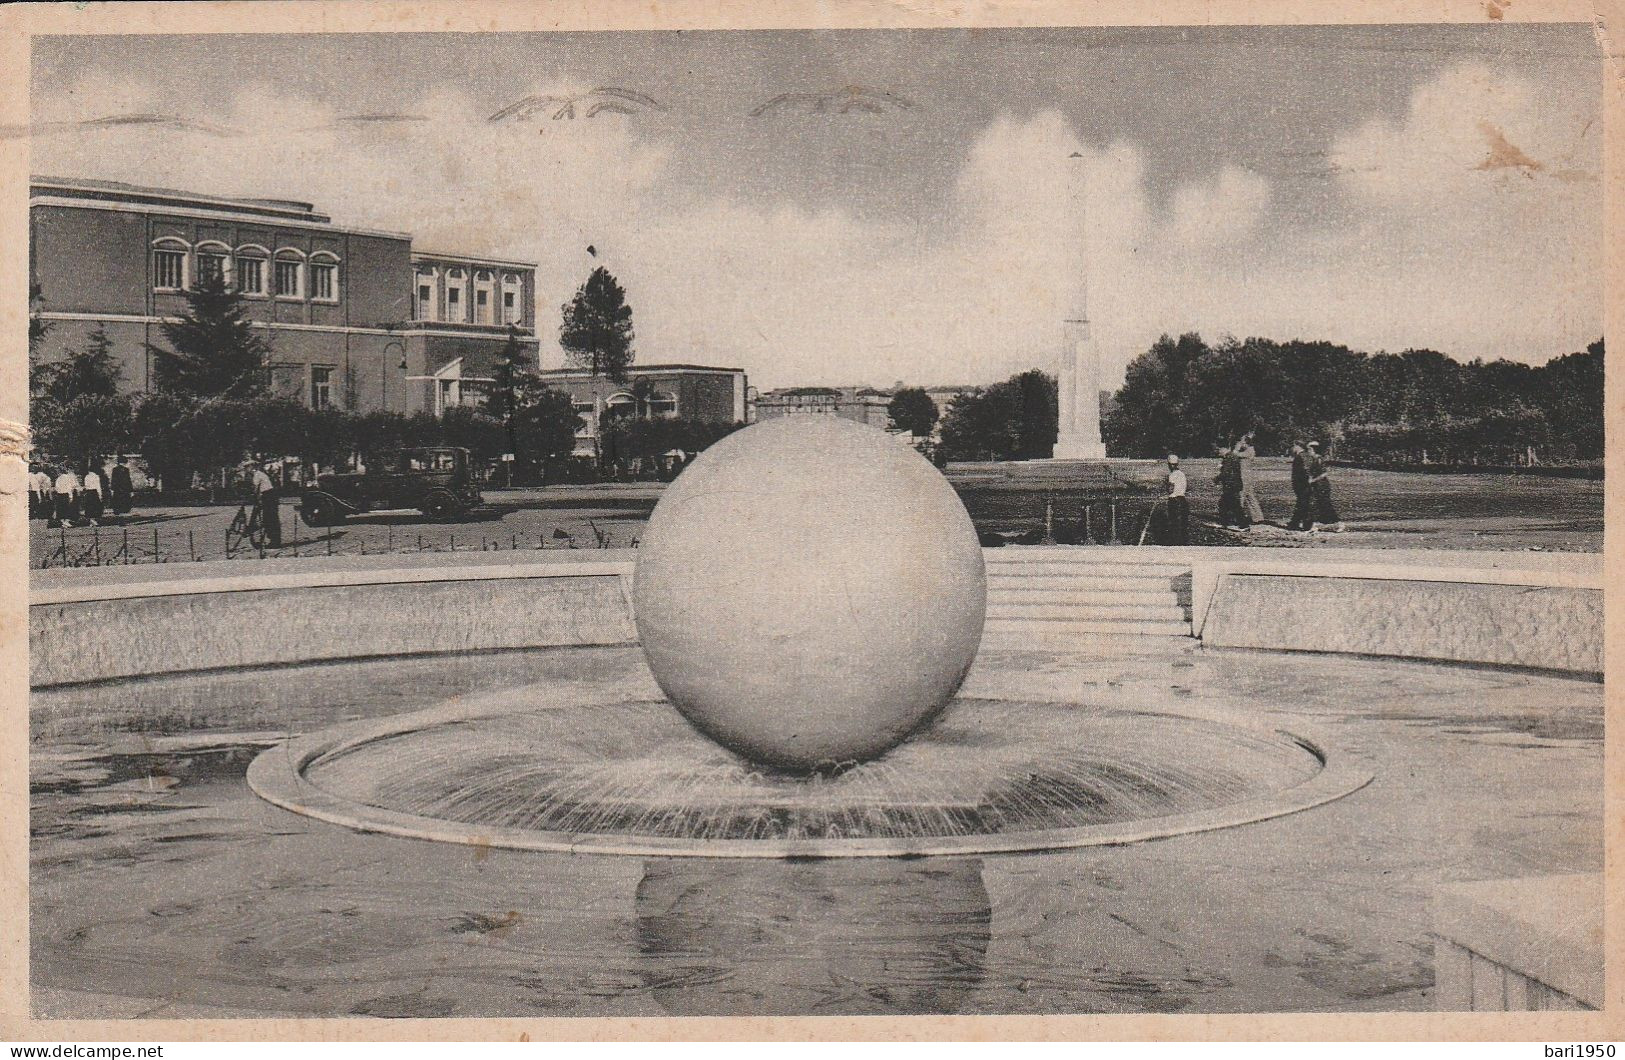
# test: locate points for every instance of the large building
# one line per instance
(690, 391)
(354, 318)
(860, 404)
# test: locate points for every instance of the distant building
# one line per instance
(691, 391)
(355, 318)
(860, 404)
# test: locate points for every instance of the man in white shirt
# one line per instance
(268, 505)
(1179, 509)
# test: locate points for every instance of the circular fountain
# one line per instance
(809, 596)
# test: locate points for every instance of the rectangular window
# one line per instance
(168, 270)
(482, 306)
(508, 307)
(287, 279)
(211, 267)
(321, 387)
(324, 284)
(425, 302)
(250, 275)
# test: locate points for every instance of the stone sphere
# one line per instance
(809, 592)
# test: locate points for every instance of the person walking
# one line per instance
(123, 492)
(1301, 508)
(1179, 509)
(1320, 485)
(1245, 451)
(1229, 480)
(93, 503)
(268, 505)
(66, 490)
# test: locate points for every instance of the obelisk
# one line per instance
(1077, 435)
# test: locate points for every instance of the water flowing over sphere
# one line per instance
(809, 592)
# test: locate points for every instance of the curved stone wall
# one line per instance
(100, 632)
(1552, 627)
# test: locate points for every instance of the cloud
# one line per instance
(1468, 128)
(1219, 210)
(1447, 236)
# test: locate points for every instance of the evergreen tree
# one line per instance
(596, 333)
(213, 352)
(91, 372)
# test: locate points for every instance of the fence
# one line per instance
(118, 546)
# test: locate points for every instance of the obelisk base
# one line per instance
(1078, 447)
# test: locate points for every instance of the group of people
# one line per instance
(1238, 503)
(65, 497)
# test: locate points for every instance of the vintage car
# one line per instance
(436, 481)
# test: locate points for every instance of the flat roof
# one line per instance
(303, 210)
(117, 196)
(469, 259)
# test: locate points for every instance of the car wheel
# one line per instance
(440, 505)
(319, 511)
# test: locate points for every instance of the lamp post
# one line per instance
(507, 361)
(384, 403)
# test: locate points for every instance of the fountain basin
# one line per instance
(633, 778)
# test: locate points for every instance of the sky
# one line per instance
(868, 207)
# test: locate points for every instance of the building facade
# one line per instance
(690, 391)
(354, 318)
(859, 404)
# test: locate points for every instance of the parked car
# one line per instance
(437, 481)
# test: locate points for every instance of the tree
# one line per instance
(547, 421)
(1012, 420)
(912, 410)
(91, 372)
(213, 352)
(596, 333)
(77, 410)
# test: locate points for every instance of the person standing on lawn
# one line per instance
(1229, 480)
(1320, 485)
(122, 490)
(1179, 508)
(1301, 508)
(1245, 451)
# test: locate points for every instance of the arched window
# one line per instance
(484, 296)
(250, 269)
(512, 311)
(323, 277)
(456, 296)
(428, 283)
(620, 405)
(170, 257)
(212, 260)
(662, 406)
(289, 274)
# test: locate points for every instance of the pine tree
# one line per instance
(596, 333)
(213, 352)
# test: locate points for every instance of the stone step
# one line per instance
(1089, 643)
(1082, 583)
(1020, 627)
(1113, 596)
(1168, 612)
(1093, 570)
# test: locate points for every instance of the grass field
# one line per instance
(1382, 509)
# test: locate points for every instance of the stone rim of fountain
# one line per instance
(277, 775)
